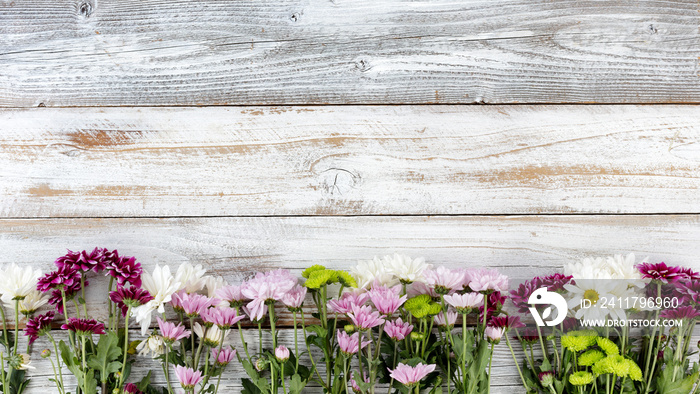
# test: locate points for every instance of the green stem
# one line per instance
(308, 349)
(112, 325)
(488, 381)
(84, 362)
(272, 325)
(284, 386)
(517, 365)
(194, 366)
(396, 348)
(652, 338)
(58, 362)
(126, 346)
(16, 326)
(5, 388)
(4, 328)
(359, 354)
(464, 352)
(82, 294)
(245, 345)
(296, 343)
(218, 381)
(166, 368)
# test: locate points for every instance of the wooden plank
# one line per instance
(184, 52)
(349, 160)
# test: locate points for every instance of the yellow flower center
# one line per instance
(591, 295)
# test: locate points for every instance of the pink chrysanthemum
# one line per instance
(84, 326)
(446, 319)
(231, 294)
(349, 344)
(385, 299)
(267, 287)
(346, 301)
(223, 357)
(409, 375)
(131, 388)
(464, 303)
(487, 281)
(364, 318)
(192, 304)
(681, 313)
(188, 377)
(495, 304)
(397, 329)
(172, 332)
(222, 317)
(294, 298)
(63, 278)
(444, 280)
(38, 326)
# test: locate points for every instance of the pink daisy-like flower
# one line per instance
(364, 317)
(440, 321)
(70, 291)
(464, 303)
(418, 288)
(349, 343)
(688, 273)
(494, 334)
(660, 272)
(124, 269)
(126, 297)
(385, 299)
(487, 281)
(172, 332)
(193, 304)
(282, 353)
(38, 326)
(409, 375)
(506, 322)
(267, 287)
(231, 294)
(294, 298)
(397, 329)
(444, 280)
(188, 377)
(681, 313)
(223, 357)
(223, 317)
(346, 301)
(84, 326)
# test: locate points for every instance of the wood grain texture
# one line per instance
(186, 52)
(376, 160)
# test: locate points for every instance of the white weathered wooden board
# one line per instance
(349, 160)
(186, 52)
(521, 247)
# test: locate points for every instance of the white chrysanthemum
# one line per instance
(161, 285)
(154, 344)
(213, 335)
(405, 268)
(31, 303)
(17, 282)
(596, 291)
(623, 267)
(588, 268)
(366, 272)
(212, 284)
(191, 277)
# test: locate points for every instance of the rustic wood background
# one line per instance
(247, 135)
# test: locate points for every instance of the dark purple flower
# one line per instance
(38, 326)
(689, 274)
(70, 291)
(125, 269)
(63, 278)
(131, 388)
(689, 290)
(495, 304)
(129, 297)
(528, 335)
(682, 313)
(506, 322)
(660, 272)
(521, 295)
(84, 261)
(556, 282)
(84, 326)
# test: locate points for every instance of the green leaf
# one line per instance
(108, 351)
(296, 384)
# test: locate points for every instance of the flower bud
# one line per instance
(46, 353)
(417, 336)
(260, 365)
(546, 378)
(349, 328)
(282, 354)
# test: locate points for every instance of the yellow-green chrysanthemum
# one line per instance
(581, 378)
(608, 346)
(422, 306)
(307, 272)
(590, 357)
(616, 365)
(320, 278)
(577, 341)
(635, 371)
(346, 279)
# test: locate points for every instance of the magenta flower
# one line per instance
(223, 357)
(349, 343)
(681, 313)
(444, 280)
(63, 278)
(386, 300)
(521, 295)
(294, 299)
(440, 321)
(346, 301)
(688, 273)
(267, 287)
(495, 303)
(84, 326)
(689, 291)
(409, 375)
(188, 377)
(70, 293)
(38, 326)
(223, 317)
(124, 269)
(282, 353)
(364, 318)
(494, 334)
(232, 295)
(126, 297)
(83, 261)
(397, 329)
(506, 322)
(660, 272)
(487, 281)
(171, 332)
(464, 303)
(131, 388)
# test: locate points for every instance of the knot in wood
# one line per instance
(295, 17)
(652, 29)
(85, 9)
(337, 181)
(363, 65)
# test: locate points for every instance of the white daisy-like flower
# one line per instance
(623, 267)
(587, 297)
(161, 284)
(31, 303)
(17, 282)
(191, 277)
(366, 272)
(405, 268)
(24, 362)
(212, 336)
(212, 284)
(588, 268)
(154, 344)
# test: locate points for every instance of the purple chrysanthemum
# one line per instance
(70, 291)
(126, 297)
(38, 326)
(689, 291)
(554, 282)
(689, 274)
(495, 304)
(131, 388)
(506, 322)
(660, 272)
(682, 313)
(84, 261)
(62, 278)
(124, 269)
(84, 326)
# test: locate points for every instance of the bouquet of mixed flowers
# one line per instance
(628, 329)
